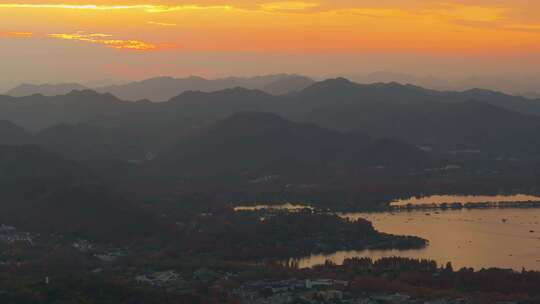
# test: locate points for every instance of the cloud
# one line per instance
(106, 40)
(484, 17)
(468, 12)
(191, 7)
(288, 6)
(501, 26)
(16, 35)
(75, 6)
(161, 23)
(149, 8)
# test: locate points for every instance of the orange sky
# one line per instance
(483, 28)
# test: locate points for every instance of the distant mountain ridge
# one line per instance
(165, 88)
(474, 119)
(288, 85)
(524, 85)
(44, 89)
(343, 91)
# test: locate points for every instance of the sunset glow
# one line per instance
(451, 26)
(476, 28)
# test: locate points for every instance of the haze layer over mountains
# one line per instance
(475, 119)
(164, 88)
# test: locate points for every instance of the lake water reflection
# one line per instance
(504, 238)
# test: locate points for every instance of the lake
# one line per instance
(478, 238)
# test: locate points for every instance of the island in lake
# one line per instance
(466, 201)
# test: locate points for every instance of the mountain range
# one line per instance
(69, 156)
(164, 88)
(27, 89)
(469, 120)
(523, 85)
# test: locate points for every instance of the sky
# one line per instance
(101, 40)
